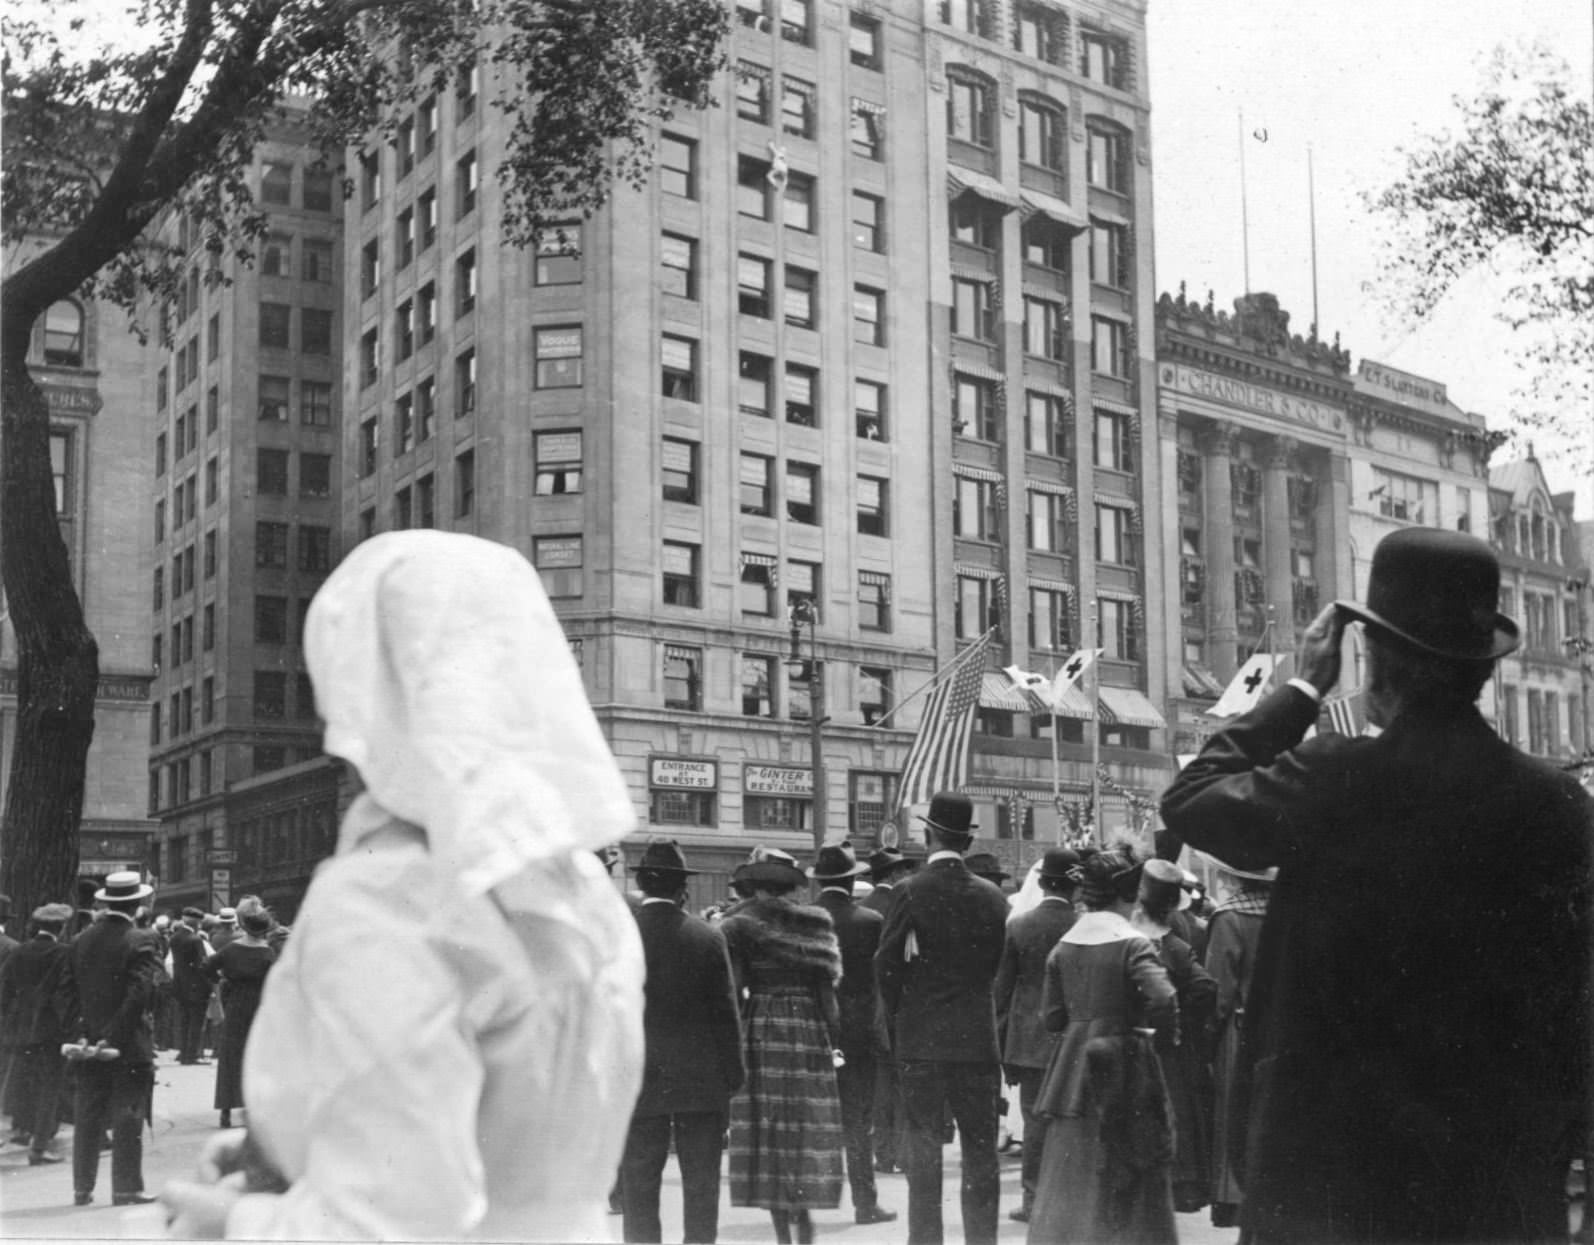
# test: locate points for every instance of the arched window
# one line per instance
(1107, 156)
(63, 335)
(970, 112)
(1042, 133)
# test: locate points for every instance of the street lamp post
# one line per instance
(803, 614)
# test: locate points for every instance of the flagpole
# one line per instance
(1272, 640)
(1095, 729)
(1057, 779)
(1311, 211)
(1245, 218)
(927, 686)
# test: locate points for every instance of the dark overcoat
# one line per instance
(858, 931)
(1021, 981)
(27, 991)
(111, 978)
(1420, 1010)
(189, 982)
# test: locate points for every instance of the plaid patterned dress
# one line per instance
(786, 1137)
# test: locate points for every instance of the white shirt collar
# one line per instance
(656, 899)
(121, 916)
(1057, 899)
(944, 854)
(836, 890)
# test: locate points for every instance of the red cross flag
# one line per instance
(1246, 688)
(1069, 672)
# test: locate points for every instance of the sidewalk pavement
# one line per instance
(36, 1202)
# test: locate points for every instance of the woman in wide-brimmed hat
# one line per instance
(786, 1138)
(240, 968)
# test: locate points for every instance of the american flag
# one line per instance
(1346, 714)
(939, 758)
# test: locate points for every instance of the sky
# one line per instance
(1353, 81)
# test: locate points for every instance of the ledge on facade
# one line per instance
(1258, 326)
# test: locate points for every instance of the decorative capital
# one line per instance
(1217, 439)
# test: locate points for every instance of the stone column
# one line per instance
(1217, 446)
(1277, 565)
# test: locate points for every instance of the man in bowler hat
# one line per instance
(936, 965)
(1020, 981)
(1420, 1074)
(887, 867)
(694, 1054)
(190, 985)
(858, 932)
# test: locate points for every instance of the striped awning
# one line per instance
(976, 572)
(997, 692)
(1199, 681)
(1047, 486)
(1099, 403)
(1075, 703)
(1048, 205)
(1128, 707)
(984, 371)
(961, 181)
(977, 473)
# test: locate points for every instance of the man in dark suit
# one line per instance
(936, 965)
(190, 986)
(108, 984)
(887, 867)
(858, 931)
(1420, 1075)
(1026, 1043)
(28, 998)
(694, 1054)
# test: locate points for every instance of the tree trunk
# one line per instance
(57, 660)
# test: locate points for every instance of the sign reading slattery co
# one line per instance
(682, 774)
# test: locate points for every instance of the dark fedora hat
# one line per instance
(663, 855)
(836, 861)
(884, 861)
(951, 812)
(1060, 862)
(986, 865)
(1438, 591)
(774, 867)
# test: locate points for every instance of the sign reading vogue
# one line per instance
(776, 780)
(683, 775)
(1202, 384)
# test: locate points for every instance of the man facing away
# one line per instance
(694, 1054)
(936, 964)
(858, 932)
(1420, 1074)
(1021, 979)
(28, 998)
(190, 986)
(887, 867)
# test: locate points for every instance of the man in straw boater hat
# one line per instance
(936, 966)
(110, 977)
(1421, 1075)
(694, 1054)
(835, 868)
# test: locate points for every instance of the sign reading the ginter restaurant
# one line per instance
(776, 780)
(682, 774)
(1210, 385)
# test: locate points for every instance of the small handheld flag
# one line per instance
(1247, 686)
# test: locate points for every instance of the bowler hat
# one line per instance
(1439, 591)
(886, 860)
(835, 862)
(951, 812)
(1060, 862)
(663, 855)
(122, 887)
(986, 865)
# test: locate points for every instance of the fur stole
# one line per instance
(784, 935)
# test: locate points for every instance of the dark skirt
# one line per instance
(242, 1001)
(786, 1140)
(1190, 1093)
(1228, 1121)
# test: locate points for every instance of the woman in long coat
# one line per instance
(786, 1138)
(240, 967)
(1105, 1168)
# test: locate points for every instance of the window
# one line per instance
(559, 255)
(426, 217)
(276, 183)
(1115, 536)
(752, 187)
(1120, 635)
(315, 331)
(370, 358)
(404, 329)
(1046, 424)
(863, 41)
(754, 380)
(799, 306)
(465, 384)
(426, 501)
(315, 548)
(802, 384)
(1107, 159)
(404, 239)
(1048, 620)
(1040, 32)
(1109, 254)
(210, 555)
(974, 408)
(969, 118)
(404, 147)
(368, 446)
(271, 620)
(467, 86)
(973, 16)
(404, 424)
(678, 265)
(678, 166)
(558, 353)
(756, 592)
(758, 682)
(212, 409)
(974, 509)
(464, 484)
(1103, 58)
(466, 185)
(680, 575)
(208, 630)
(678, 357)
(160, 521)
(868, 129)
(1046, 328)
(276, 256)
(558, 456)
(799, 200)
(159, 596)
(874, 601)
(558, 560)
(870, 499)
(868, 221)
(752, 285)
(1109, 347)
(1042, 135)
(271, 545)
(318, 189)
(668, 807)
(869, 409)
(275, 393)
(370, 267)
(426, 126)
(271, 695)
(162, 389)
(797, 107)
(756, 484)
(752, 92)
(795, 19)
(680, 471)
(426, 312)
(274, 326)
(868, 316)
(973, 607)
(683, 677)
(465, 283)
(315, 403)
(1046, 243)
(1407, 498)
(802, 584)
(975, 222)
(753, 14)
(1047, 522)
(973, 309)
(1114, 440)
(802, 493)
(315, 260)
(271, 472)
(213, 337)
